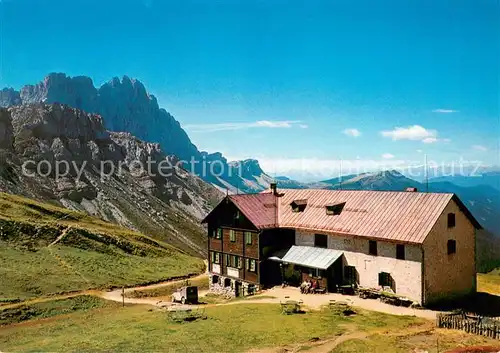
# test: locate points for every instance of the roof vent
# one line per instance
(298, 205)
(411, 189)
(335, 209)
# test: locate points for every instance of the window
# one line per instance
(385, 279)
(239, 262)
(451, 220)
(250, 265)
(248, 238)
(215, 257)
(452, 246)
(234, 261)
(226, 259)
(218, 233)
(298, 205)
(232, 235)
(372, 247)
(320, 240)
(350, 276)
(334, 210)
(315, 273)
(400, 251)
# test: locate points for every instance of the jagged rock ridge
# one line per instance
(97, 175)
(126, 106)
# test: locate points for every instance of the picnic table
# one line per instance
(290, 306)
(346, 289)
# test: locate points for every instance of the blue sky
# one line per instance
(283, 81)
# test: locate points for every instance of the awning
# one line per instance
(311, 257)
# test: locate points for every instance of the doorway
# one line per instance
(237, 288)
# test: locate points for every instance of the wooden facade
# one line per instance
(236, 242)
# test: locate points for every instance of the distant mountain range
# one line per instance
(482, 200)
(491, 179)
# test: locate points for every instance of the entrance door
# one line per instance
(335, 275)
(237, 288)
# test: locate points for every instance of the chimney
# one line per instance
(273, 188)
(411, 189)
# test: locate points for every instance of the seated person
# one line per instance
(314, 286)
(303, 287)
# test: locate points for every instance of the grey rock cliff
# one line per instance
(96, 173)
(126, 106)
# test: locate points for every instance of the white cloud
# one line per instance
(445, 111)
(420, 151)
(430, 140)
(272, 124)
(479, 148)
(303, 126)
(415, 133)
(352, 132)
(387, 156)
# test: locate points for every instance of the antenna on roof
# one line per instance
(426, 175)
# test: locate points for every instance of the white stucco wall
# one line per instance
(407, 274)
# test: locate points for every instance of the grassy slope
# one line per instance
(232, 328)
(53, 308)
(93, 254)
(489, 282)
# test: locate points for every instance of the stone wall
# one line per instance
(450, 276)
(220, 288)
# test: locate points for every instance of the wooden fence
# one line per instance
(478, 325)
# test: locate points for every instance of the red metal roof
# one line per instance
(260, 209)
(391, 215)
(397, 216)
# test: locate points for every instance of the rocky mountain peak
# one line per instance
(126, 106)
(56, 121)
(9, 96)
(249, 167)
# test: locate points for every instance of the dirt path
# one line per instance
(323, 346)
(114, 295)
(315, 301)
(60, 237)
